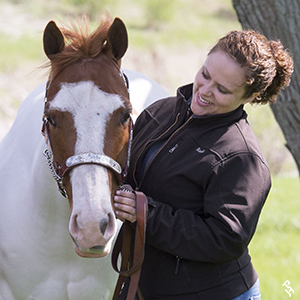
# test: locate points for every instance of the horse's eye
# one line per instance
(126, 117)
(51, 121)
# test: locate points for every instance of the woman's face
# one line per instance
(218, 86)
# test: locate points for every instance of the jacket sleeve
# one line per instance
(222, 230)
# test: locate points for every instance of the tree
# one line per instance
(279, 19)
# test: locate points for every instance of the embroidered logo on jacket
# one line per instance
(199, 150)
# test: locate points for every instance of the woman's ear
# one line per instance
(251, 98)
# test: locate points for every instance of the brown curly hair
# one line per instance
(267, 65)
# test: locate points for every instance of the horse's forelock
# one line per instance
(81, 43)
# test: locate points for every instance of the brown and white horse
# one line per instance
(87, 127)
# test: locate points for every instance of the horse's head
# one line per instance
(87, 126)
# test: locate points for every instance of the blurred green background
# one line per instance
(168, 41)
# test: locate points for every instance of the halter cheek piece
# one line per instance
(58, 172)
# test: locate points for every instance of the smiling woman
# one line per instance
(196, 158)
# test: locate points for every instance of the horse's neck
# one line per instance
(32, 190)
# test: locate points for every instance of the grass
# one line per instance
(15, 51)
(275, 248)
(191, 22)
(150, 22)
(171, 23)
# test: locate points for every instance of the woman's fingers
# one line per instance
(125, 205)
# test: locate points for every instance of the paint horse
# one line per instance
(87, 126)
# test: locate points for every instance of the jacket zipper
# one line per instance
(178, 260)
(177, 117)
(142, 150)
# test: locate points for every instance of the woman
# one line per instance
(198, 162)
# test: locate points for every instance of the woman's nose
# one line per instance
(206, 89)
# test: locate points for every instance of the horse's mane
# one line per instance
(80, 42)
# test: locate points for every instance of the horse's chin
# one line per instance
(90, 254)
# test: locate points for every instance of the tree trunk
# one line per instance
(279, 19)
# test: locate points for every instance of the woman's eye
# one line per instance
(204, 75)
(221, 90)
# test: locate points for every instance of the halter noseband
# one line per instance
(58, 172)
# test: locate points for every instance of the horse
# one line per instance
(84, 112)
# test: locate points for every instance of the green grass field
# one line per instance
(275, 248)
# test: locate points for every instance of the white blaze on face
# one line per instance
(90, 108)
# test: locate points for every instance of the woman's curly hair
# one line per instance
(267, 65)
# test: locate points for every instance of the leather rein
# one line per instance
(130, 265)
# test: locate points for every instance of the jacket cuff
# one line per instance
(151, 206)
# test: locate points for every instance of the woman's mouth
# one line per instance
(203, 101)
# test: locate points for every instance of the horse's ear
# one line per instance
(117, 38)
(53, 39)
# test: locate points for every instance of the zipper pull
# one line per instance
(173, 149)
(178, 259)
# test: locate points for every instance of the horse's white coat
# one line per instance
(37, 258)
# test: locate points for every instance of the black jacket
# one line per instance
(208, 181)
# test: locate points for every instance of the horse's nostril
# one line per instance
(97, 248)
(103, 224)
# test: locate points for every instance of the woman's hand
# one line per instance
(125, 204)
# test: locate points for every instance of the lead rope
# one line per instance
(131, 268)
